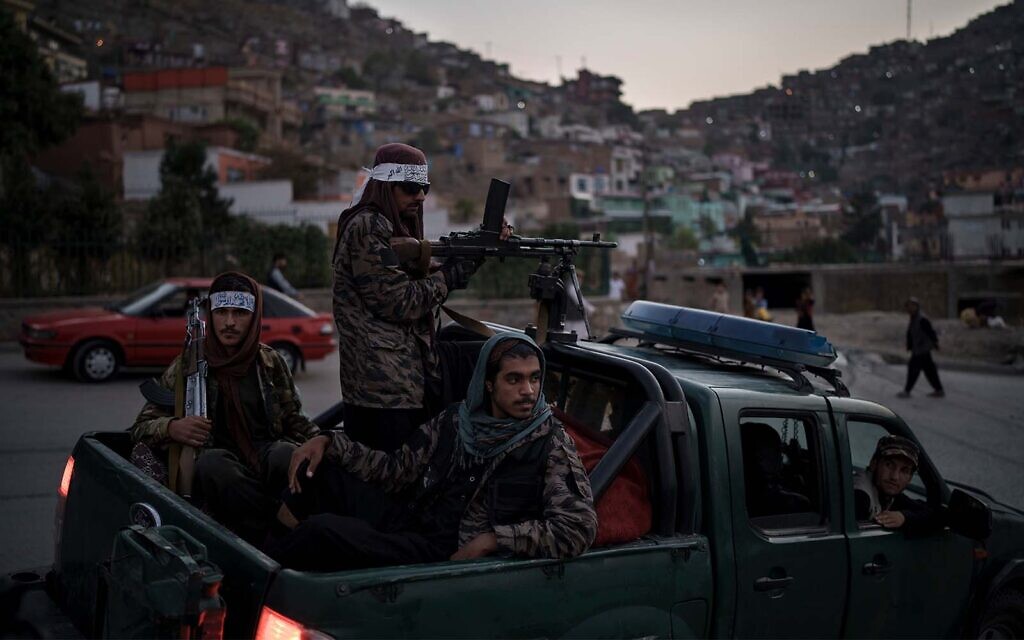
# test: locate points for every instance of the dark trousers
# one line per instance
(243, 499)
(346, 523)
(921, 363)
(388, 429)
(382, 429)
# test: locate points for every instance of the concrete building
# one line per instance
(593, 89)
(102, 140)
(213, 94)
(341, 102)
(59, 49)
(985, 224)
(142, 170)
(787, 227)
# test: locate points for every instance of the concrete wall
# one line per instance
(851, 288)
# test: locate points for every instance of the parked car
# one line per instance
(148, 328)
(678, 392)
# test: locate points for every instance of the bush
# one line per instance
(253, 245)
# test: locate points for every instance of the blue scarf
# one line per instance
(483, 436)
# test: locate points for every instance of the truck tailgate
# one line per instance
(103, 487)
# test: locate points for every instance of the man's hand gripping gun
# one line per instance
(193, 402)
(547, 286)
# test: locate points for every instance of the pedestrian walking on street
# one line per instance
(921, 340)
(275, 277)
(720, 299)
(805, 310)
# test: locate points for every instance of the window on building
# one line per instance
(782, 471)
(234, 174)
(581, 185)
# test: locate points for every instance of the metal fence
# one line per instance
(85, 264)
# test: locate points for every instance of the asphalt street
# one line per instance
(975, 434)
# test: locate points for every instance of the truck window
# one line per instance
(601, 404)
(863, 436)
(782, 472)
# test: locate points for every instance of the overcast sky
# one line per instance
(669, 53)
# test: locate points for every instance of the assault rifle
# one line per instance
(194, 369)
(548, 285)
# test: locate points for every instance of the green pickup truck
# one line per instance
(716, 562)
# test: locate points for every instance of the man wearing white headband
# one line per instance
(385, 311)
(255, 419)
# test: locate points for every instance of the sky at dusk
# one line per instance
(671, 52)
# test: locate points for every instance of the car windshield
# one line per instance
(143, 298)
(278, 305)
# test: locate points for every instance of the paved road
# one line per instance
(976, 434)
(973, 435)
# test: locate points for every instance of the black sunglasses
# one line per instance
(412, 188)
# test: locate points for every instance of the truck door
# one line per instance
(902, 584)
(791, 565)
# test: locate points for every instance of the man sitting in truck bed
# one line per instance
(245, 446)
(494, 473)
(878, 493)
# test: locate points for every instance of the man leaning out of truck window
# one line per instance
(878, 492)
(256, 419)
(495, 473)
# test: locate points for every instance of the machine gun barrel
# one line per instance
(477, 245)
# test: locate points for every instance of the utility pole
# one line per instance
(645, 188)
(909, 5)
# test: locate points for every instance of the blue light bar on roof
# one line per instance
(728, 336)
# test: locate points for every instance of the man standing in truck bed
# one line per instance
(494, 473)
(256, 422)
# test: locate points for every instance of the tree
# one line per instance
(288, 165)
(863, 221)
(708, 228)
(248, 133)
(188, 211)
(683, 239)
(823, 251)
(87, 229)
(748, 235)
(34, 114)
(465, 210)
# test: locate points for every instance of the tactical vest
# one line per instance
(514, 490)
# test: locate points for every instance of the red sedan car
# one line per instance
(148, 329)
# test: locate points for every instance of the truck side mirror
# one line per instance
(969, 516)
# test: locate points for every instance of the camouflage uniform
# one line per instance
(280, 400)
(384, 319)
(568, 523)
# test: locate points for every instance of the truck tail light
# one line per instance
(65, 480)
(62, 501)
(274, 626)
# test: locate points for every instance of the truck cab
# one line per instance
(749, 461)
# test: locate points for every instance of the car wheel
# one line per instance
(96, 361)
(1003, 616)
(290, 354)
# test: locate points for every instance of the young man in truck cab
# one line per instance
(494, 473)
(256, 419)
(878, 493)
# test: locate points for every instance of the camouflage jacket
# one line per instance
(568, 523)
(280, 399)
(384, 319)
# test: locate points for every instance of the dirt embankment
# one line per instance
(885, 333)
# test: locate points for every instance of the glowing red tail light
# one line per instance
(62, 503)
(65, 481)
(274, 626)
